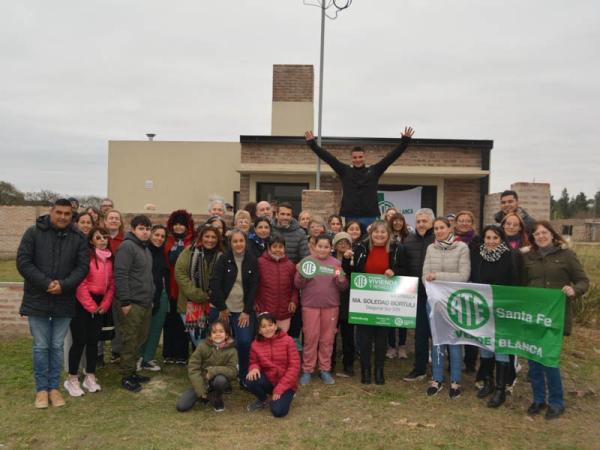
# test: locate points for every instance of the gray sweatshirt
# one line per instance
(133, 273)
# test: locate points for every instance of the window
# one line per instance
(282, 192)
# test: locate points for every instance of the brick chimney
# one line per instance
(293, 92)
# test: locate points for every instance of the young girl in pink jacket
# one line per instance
(321, 279)
(94, 298)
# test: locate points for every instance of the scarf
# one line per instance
(514, 241)
(175, 251)
(446, 244)
(466, 237)
(200, 269)
(260, 242)
(495, 254)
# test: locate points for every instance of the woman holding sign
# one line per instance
(378, 256)
(550, 264)
(447, 259)
(321, 279)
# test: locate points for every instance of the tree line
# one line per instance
(11, 196)
(576, 206)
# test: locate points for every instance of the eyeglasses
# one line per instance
(100, 237)
(106, 205)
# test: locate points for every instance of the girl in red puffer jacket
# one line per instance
(274, 367)
(94, 298)
(276, 292)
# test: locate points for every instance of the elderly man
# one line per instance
(264, 209)
(416, 247)
(106, 205)
(53, 259)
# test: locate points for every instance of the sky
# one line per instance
(78, 74)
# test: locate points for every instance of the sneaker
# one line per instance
(216, 401)
(72, 386)
(402, 352)
(326, 378)
(535, 408)
(391, 353)
(554, 412)
(56, 398)
(140, 378)
(131, 384)
(181, 362)
(414, 376)
(168, 361)
(41, 399)
(91, 384)
(152, 366)
(256, 405)
(115, 358)
(305, 378)
(455, 391)
(434, 389)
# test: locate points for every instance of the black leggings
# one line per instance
(85, 329)
(369, 335)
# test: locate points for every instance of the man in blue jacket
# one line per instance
(359, 182)
(53, 258)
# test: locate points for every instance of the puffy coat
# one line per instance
(296, 245)
(278, 359)
(559, 268)
(211, 360)
(223, 279)
(276, 286)
(416, 248)
(451, 264)
(47, 254)
(133, 273)
(322, 291)
(99, 281)
(359, 184)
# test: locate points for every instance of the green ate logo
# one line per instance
(308, 268)
(468, 309)
(360, 281)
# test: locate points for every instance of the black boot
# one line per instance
(485, 375)
(499, 396)
(379, 379)
(365, 375)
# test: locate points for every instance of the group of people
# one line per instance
(237, 296)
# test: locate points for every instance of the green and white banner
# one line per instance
(519, 321)
(311, 267)
(382, 301)
(407, 202)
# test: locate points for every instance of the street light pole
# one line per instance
(324, 5)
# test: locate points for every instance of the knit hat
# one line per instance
(341, 236)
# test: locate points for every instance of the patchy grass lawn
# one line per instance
(346, 415)
(8, 271)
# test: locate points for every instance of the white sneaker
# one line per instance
(91, 384)
(391, 353)
(73, 388)
(151, 366)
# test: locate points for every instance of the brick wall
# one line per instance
(413, 156)
(14, 220)
(462, 195)
(293, 83)
(535, 198)
(11, 324)
(319, 203)
(244, 190)
(491, 207)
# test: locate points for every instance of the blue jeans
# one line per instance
(48, 338)
(243, 339)
(542, 377)
(499, 356)
(263, 387)
(364, 221)
(438, 360)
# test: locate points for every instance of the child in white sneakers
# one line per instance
(94, 298)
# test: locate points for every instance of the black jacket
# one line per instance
(502, 272)
(359, 185)
(398, 259)
(416, 248)
(47, 254)
(160, 274)
(223, 279)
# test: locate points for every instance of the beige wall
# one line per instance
(170, 174)
(291, 118)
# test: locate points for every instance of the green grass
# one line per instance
(346, 415)
(8, 271)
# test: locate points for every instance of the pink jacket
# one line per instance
(322, 291)
(99, 281)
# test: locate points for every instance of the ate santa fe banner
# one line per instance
(521, 321)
